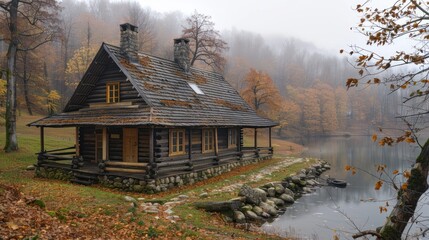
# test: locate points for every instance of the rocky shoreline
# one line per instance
(261, 204)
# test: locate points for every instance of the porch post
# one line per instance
(77, 142)
(151, 143)
(104, 155)
(190, 143)
(269, 137)
(256, 138)
(42, 139)
(216, 143)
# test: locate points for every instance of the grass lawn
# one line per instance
(95, 211)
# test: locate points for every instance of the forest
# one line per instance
(298, 85)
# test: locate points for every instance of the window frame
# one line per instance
(171, 143)
(116, 89)
(232, 137)
(203, 140)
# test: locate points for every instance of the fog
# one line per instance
(325, 23)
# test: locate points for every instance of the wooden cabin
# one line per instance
(145, 123)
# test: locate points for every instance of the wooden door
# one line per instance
(130, 145)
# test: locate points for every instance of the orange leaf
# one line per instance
(374, 137)
(404, 186)
(378, 185)
(410, 140)
(395, 172)
(347, 167)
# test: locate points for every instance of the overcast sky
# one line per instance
(324, 23)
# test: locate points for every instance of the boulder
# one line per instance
(204, 195)
(239, 217)
(289, 192)
(265, 215)
(130, 199)
(271, 192)
(30, 168)
(246, 207)
(271, 203)
(279, 189)
(251, 215)
(287, 198)
(302, 176)
(277, 201)
(269, 185)
(258, 210)
(296, 180)
(268, 209)
(253, 195)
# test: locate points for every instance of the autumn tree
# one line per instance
(144, 20)
(260, 91)
(341, 106)
(32, 20)
(206, 44)
(326, 100)
(383, 26)
(78, 64)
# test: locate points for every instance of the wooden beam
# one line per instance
(42, 139)
(190, 143)
(256, 138)
(77, 142)
(104, 156)
(216, 142)
(269, 137)
(151, 144)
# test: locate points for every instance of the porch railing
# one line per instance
(65, 157)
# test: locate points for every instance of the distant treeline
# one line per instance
(311, 83)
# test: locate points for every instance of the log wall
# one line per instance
(144, 139)
(87, 143)
(115, 144)
(113, 74)
(222, 136)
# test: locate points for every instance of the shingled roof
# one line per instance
(164, 87)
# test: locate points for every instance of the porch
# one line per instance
(153, 159)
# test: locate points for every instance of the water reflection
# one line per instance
(331, 208)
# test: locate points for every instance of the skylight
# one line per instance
(196, 89)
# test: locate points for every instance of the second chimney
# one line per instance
(129, 41)
(181, 53)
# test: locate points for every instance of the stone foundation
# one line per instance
(150, 186)
(54, 173)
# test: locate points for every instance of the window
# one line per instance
(112, 92)
(196, 89)
(208, 140)
(232, 137)
(177, 141)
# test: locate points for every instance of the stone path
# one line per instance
(166, 210)
(261, 174)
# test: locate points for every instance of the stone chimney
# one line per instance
(129, 41)
(181, 53)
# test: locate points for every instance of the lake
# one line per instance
(331, 210)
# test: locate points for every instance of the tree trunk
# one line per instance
(408, 198)
(11, 138)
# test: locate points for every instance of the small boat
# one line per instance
(336, 182)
